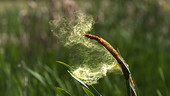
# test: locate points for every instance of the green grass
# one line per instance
(140, 29)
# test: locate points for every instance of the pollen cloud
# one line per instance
(90, 60)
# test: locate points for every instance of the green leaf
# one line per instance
(78, 80)
(62, 92)
(126, 66)
(88, 92)
(133, 89)
(36, 75)
(69, 67)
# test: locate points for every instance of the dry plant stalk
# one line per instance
(119, 59)
(54, 8)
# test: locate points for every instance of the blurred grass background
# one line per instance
(29, 50)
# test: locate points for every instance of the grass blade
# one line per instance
(62, 92)
(68, 66)
(88, 92)
(78, 80)
(36, 75)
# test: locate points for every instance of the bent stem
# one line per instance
(124, 66)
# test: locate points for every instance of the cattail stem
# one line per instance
(120, 60)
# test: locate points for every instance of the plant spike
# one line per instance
(120, 60)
